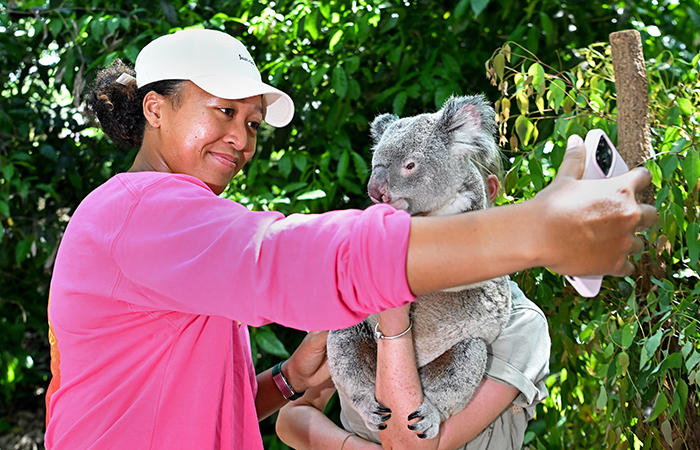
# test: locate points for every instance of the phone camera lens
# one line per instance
(603, 156)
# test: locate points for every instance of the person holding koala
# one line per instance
(157, 278)
(434, 164)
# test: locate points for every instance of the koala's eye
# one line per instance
(410, 166)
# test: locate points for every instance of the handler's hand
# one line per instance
(595, 220)
(308, 365)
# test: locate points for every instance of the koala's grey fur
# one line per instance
(431, 164)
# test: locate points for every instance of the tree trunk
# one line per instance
(633, 132)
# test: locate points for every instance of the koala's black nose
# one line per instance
(376, 188)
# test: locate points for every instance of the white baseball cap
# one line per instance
(216, 62)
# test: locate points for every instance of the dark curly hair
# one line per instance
(117, 108)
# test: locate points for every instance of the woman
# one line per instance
(157, 277)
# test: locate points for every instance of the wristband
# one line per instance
(282, 383)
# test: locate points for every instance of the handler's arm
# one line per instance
(595, 220)
(303, 426)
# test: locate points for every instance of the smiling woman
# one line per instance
(157, 277)
(208, 137)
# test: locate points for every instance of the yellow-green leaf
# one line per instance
(524, 129)
(685, 105)
(536, 71)
(623, 362)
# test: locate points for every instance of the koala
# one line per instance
(430, 164)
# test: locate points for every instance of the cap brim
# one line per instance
(279, 106)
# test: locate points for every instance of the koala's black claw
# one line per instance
(382, 427)
(383, 410)
(411, 427)
(422, 436)
(386, 417)
(414, 415)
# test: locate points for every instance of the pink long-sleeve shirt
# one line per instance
(155, 281)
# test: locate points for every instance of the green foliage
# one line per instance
(625, 364)
(343, 62)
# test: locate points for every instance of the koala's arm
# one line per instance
(574, 227)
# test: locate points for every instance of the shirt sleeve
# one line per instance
(519, 356)
(182, 248)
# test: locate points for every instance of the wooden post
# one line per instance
(633, 133)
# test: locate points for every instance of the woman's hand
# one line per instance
(594, 219)
(308, 365)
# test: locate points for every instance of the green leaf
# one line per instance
(267, 340)
(312, 195)
(668, 164)
(678, 145)
(686, 106)
(339, 81)
(536, 71)
(602, 400)
(335, 40)
(524, 128)
(22, 250)
(661, 405)
(656, 175)
(682, 391)
(692, 241)
(310, 25)
(399, 102)
(300, 161)
(667, 432)
(693, 361)
(9, 171)
(343, 163)
(49, 152)
(691, 168)
(629, 331)
(652, 343)
(285, 165)
(461, 8)
(4, 209)
(361, 168)
(499, 64)
(479, 5)
(556, 93)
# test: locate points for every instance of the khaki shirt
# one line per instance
(519, 357)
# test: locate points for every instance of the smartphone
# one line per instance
(602, 161)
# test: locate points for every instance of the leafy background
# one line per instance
(624, 365)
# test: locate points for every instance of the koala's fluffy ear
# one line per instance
(380, 124)
(470, 112)
(468, 125)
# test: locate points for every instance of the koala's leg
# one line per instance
(448, 384)
(352, 360)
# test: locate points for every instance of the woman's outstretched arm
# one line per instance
(574, 227)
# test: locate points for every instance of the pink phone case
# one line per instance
(602, 161)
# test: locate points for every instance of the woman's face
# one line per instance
(205, 136)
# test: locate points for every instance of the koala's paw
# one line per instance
(376, 414)
(428, 424)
